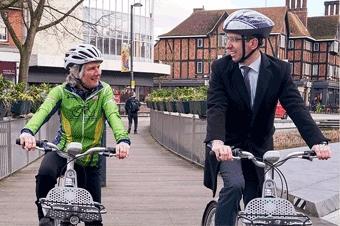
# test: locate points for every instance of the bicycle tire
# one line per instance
(208, 218)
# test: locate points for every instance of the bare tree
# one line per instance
(33, 24)
(5, 4)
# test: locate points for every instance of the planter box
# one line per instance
(183, 107)
(149, 104)
(171, 106)
(21, 108)
(4, 110)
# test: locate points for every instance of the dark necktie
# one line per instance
(246, 69)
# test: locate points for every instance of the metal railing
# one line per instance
(12, 156)
(183, 134)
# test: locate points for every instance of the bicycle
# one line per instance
(268, 209)
(66, 203)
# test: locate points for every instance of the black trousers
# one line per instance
(52, 166)
(133, 116)
(240, 177)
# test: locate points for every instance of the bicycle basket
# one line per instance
(63, 202)
(272, 211)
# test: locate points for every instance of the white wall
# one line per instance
(55, 40)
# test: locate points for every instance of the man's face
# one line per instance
(91, 76)
(234, 46)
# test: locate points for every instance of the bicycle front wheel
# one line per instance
(208, 218)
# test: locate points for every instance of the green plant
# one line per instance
(20, 93)
(6, 87)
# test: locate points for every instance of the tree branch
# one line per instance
(61, 18)
(5, 4)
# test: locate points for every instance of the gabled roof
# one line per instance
(202, 22)
(323, 27)
(296, 27)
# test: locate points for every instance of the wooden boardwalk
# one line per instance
(153, 187)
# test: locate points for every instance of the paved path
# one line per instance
(152, 187)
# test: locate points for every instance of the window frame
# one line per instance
(199, 67)
(199, 43)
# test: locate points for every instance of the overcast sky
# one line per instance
(169, 13)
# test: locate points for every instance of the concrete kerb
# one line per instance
(313, 186)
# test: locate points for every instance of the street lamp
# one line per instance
(132, 81)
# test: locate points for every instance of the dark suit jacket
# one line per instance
(231, 119)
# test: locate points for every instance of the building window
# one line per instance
(222, 40)
(316, 46)
(330, 72)
(306, 69)
(291, 67)
(291, 44)
(199, 67)
(282, 41)
(308, 45)
(3, 31)
(335, 47)
(315, 70)
(200, 43)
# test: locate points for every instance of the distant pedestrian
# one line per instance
(132, 106)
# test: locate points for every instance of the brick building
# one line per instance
(310, 44)
(9, 54)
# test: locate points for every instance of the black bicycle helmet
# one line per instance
(82, 54)
(248, 23)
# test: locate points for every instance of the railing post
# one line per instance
(102, 160)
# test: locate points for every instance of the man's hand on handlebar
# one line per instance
(323, 151)
(122, 150)
(27, 141)
(222, 152)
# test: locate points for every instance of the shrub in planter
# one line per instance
(39, 94)
(6, 98)
(23, 100)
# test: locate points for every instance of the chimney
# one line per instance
(299, 7)
(199, 9)
(331, 8)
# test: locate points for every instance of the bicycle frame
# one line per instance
(66, 202)
(271, 209)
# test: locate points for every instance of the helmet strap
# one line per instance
(244, 56)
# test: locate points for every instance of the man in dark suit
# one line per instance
(244, 89)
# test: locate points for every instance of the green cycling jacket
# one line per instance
(81, 120)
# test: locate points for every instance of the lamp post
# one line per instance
(132, 79)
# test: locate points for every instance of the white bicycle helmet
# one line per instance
(82, 54)
(248, 23)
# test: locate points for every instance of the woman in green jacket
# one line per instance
(84, 103)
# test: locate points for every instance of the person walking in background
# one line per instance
(244, 89)
(132, 106)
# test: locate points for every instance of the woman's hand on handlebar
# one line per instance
(122, 150)
(322, 151)
(27, 141)
(222, 152)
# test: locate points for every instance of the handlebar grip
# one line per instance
(235, 151)
(39, 143)
(112, 150)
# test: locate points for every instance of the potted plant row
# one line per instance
(187, 100)
(18, 99)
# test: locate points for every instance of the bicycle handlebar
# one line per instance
(46, 146)
(241, 154)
